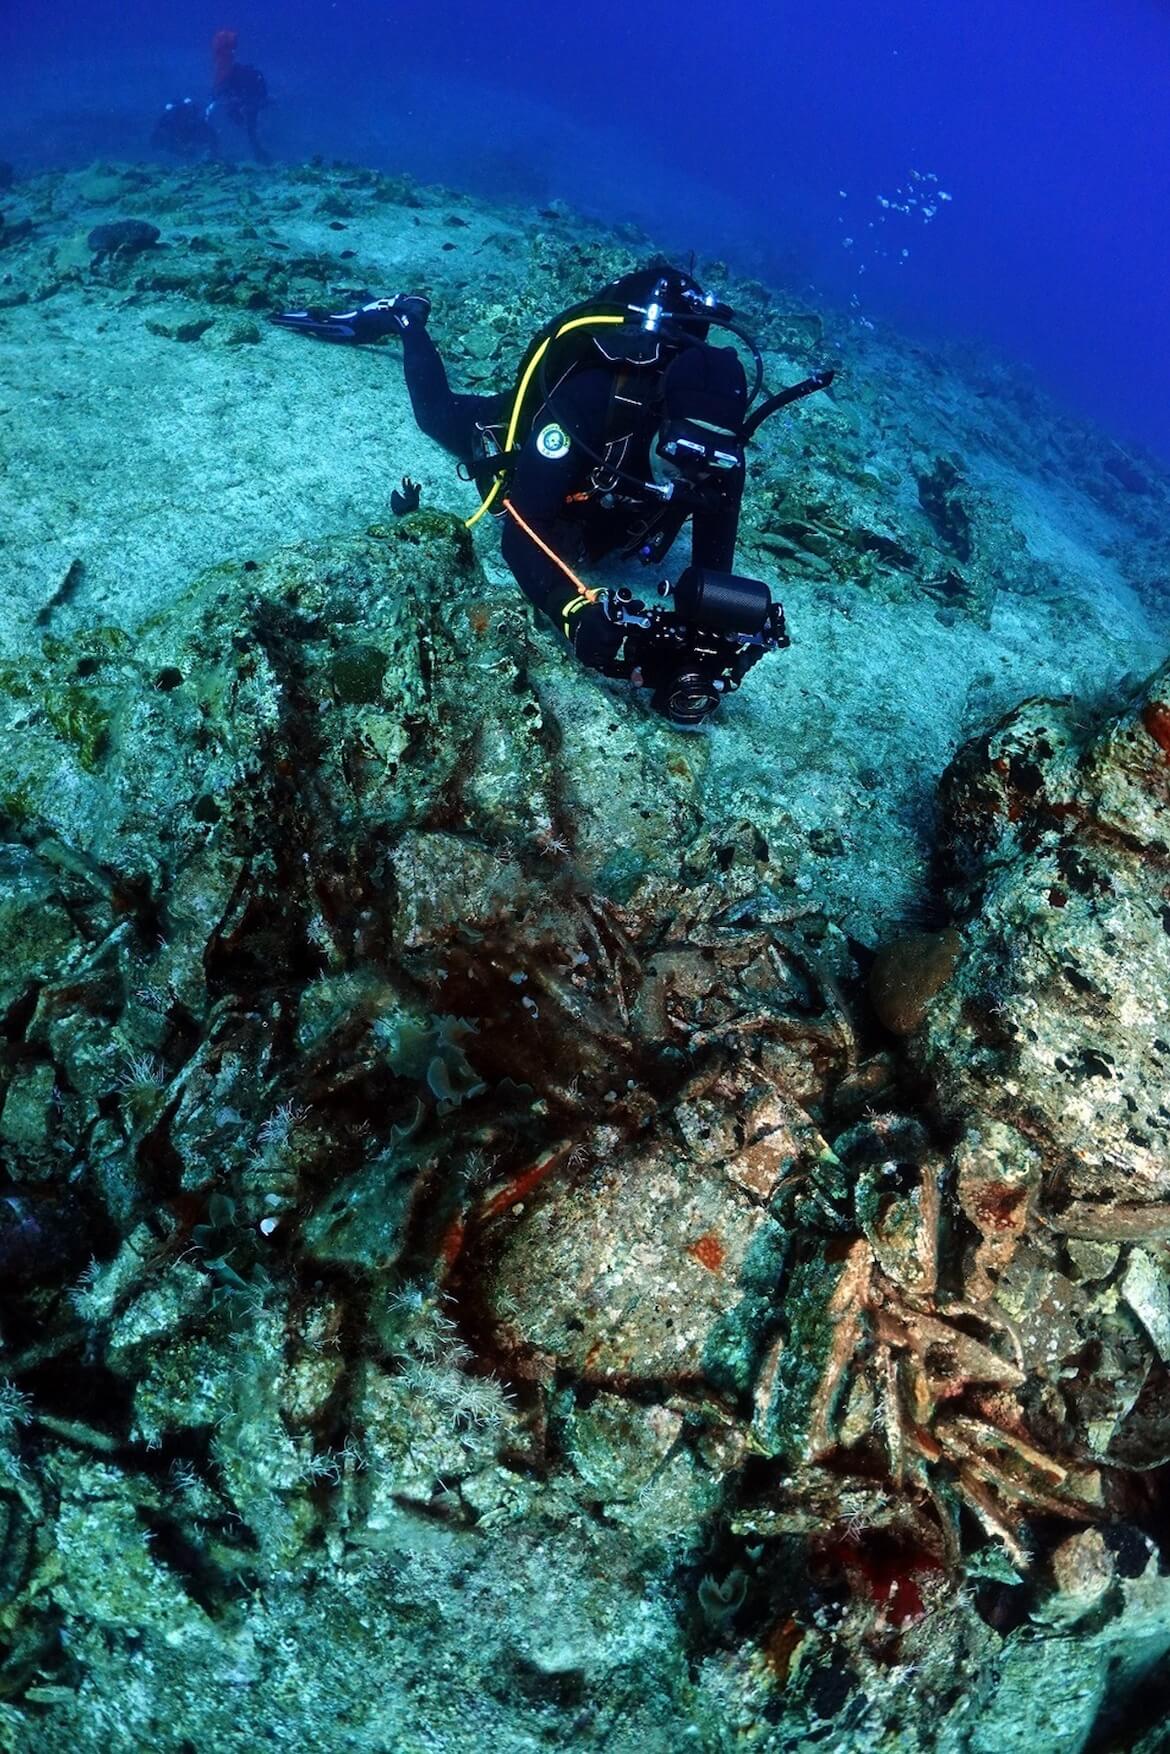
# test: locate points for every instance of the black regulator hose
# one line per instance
(795, 392)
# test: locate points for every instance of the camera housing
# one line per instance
(692, 655)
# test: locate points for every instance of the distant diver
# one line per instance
(238, 92)
(624, 423)
(184, 130)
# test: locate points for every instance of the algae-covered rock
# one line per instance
(36, 927)
(1058, 1016)
(241, 333)
(1048, 1046)
(311, 963)
(190, 330)
(104, 185)
(122, 237)
(72, 256)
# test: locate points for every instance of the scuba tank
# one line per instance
(619, 328)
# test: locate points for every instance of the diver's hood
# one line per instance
(676, 291)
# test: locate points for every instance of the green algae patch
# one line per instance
(17, 681)
(79, 716)
(356, 673)
(87, 649)
(428, 525)
(18, 804)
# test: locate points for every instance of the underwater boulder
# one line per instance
(640, 1262)
(1058, 1018)
(1049, 1049)
(122, 237)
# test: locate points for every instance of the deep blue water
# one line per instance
(729, 130)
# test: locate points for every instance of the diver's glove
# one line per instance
(595, 639)
(406, 498)
(368, 322)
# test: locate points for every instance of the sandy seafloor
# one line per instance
(149, 458)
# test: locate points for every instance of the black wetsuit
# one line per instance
(546, 479)
(240, 96)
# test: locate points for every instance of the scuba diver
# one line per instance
(238, 92)
(625, 423)
(183, 129)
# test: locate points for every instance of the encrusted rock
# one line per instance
(1057, 1022)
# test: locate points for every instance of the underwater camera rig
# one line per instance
(695, 653)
